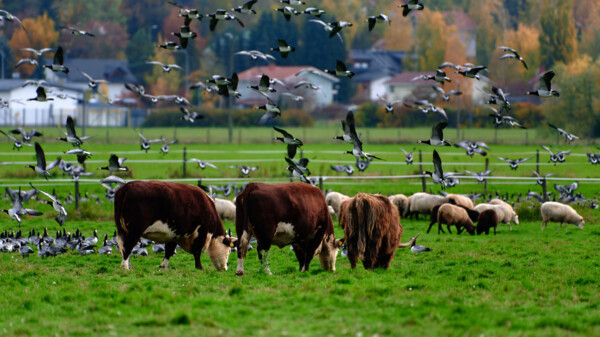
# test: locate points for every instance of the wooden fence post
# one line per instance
(423, 182)
(76, 194)
(184, 161)
(487, 163)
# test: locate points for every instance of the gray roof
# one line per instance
(12, 83)
(111, 70)
(380, 63)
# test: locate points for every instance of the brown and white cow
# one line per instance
(372, 230)
(285, 214)
(170, 213)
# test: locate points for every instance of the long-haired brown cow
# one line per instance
(285, 214)
(171, 213)
(372, 230)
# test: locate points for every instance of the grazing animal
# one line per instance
(458, 216)
(401, 202)
(225, 208)
(372, 230)
(422, 203)
(487, 219)
(557, 212)
(171, 213)
(335, 200)
(298, 215)
(504, 214)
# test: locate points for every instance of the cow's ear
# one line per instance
(229, 241)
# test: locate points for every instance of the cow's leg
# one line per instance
(263, 256)
(197, 262)
(242, 249)
(125, 243)
(169, 251)
(300, 255)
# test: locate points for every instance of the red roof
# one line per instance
(273, 71)
(407, 76)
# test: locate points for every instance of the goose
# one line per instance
(512, 54)
(165, 67)
(35, 83)
(514, 163)
(545, 88)
(203, 164)
(411, 5)
(246, 7)
(78, 32)
(105, 249)
(17, 210)
(437, 135)
(39, 52)
(568, 136)
(470, 147)
(85, 250)
(296, 98)
(158, 248)
(558, 157)
(244, 169)
(25, 250)
(440, 76)
(190, 116)
(349, 169)
(221, 14)
(362, 165)
(41, 167)
(357, 150)
(189, 14)
(229, 89)
(298, 169)
(336, 27)
(372, 20)
(78, 171)
(139, 251)
(479, 176)
(82, 155)
(425, 106)
(347, 126)
(293, 2)
(145, 143)
(57, 63)
(170, 45)
(340, 70)
(26, 61)
(389, 105)
(438, 174)
(184, 34)
(165, 147)
(17, 143)
(446, 95)
(272, 110)
(93, 83)
(71, 134)
(314, 12)
(593, 158)
(471, 72)
(327, 28)
(287, 12)
(415, 248)
(499, 98)
(40, 96)
(408, 156)
(92, 240)
(115, 164)
(4, 15)
(283, 48)
(56, 204)
(255, 54)
(264, 85)
(292, 142)
(26, 135)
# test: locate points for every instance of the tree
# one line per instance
(525, 39)
(432, 39)
(400, 35)
(491, 18)
(139, 50)
(109, 42)
(79, 12)
(558, 40)
(40, 34)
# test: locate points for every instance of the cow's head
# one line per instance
(219, 249)
(329, 251)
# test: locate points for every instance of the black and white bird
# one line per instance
(244, 169)
(298, 168)
(283, 48)
(372, 20)
(82, 155)
(106, 249)
(354, 137)
(41, 95)
(408, 156)
(514, 163)
(314, 12)
(292, 142)
(264, 85)
(512, 54)
(415, 248)
(57, 63)
(440, 76)
(411, 5)
(222, 15)
(545, 87)
(115, 164)
(21, 62)
(164, 149)
(471, 72)
(26, 136)
(272, 110)
(437, 135)
(56, 204)
(362, 165)
(593, 158)
(190, 116)
(92, 82)
(255, 54)
(472, 147)
(349, 169)
(145, 143)
(78, 32)
(4, 15)
(568, 136)
(288, 12)
(328, 29)
(184, 34)
(39, 52)
(438, 173)
(559, 156)
(170, 45)
(336, 27)
(446, 95)
(41, 167)
(389, 105)
(480, 176)
(203, 164)
(71, 134)
(165, 67)
(17, 143)
(500, 98)
(425, 107)
(340, 70)
(246, 7)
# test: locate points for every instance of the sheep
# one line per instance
(459, 200)
(487, 219)
(422, 203)
(513, 215)
(225, 208)
(557, 212)
(335, 199)
(457, 215)
(504, 214)
(401, 202)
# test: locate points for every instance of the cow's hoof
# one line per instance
(239, 272)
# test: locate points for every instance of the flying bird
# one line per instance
(246, 7)
(411, 5)
(255, 54)
(349, 169)
(437, 135)
(165, 67)
(512, 54)
(284, 49)
(292, 142)
(340, 70)
(17, 143)
(408, 156)
(471, 72)
(244, 169)
(287, 12)
(92, 83)
(222, 15)
(446, 95)
(41, 95)
(545, 87)
(71, 135)
(57, 63)
(438, 174)
(78, 32)
(372, 20)
(514, 163)
(328, 29)
(272, 110)
(440, 76)
(479, 176)
(203, 164)
(56, 204)
(568, 136)
(115, 164)
(41, 167)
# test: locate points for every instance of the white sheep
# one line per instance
(513, 215)
(557, 212)
(459, 200)
(504, 214)
(401, 202)
(225, 208)
(335, 199)
(421, 203)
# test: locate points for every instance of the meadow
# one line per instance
(524, 282)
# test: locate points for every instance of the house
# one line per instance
(373, 68)
(402, 86)
(466, 28)
(290, 75)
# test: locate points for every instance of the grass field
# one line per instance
(523, 282)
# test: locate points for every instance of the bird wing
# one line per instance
(352, 129)
(87, 76)
(437, 130)
(58, 56)
(71, 127)
(340, 66)
(39, 154)
(437, 164)
(283, 132)
(546, 79)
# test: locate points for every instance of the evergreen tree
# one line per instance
(558, 40)
(139, 50)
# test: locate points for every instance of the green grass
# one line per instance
(520, 283)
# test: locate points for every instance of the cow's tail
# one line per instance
(119, 204)
(241, 219)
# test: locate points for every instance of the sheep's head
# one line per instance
(581, 223)
(515, 218)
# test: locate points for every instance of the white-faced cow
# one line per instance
(170, 213)
(285, 214)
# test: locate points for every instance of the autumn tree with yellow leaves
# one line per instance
(40, 33)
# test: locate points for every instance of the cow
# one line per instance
(285, 214)
(372, 229)
(170, 213)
